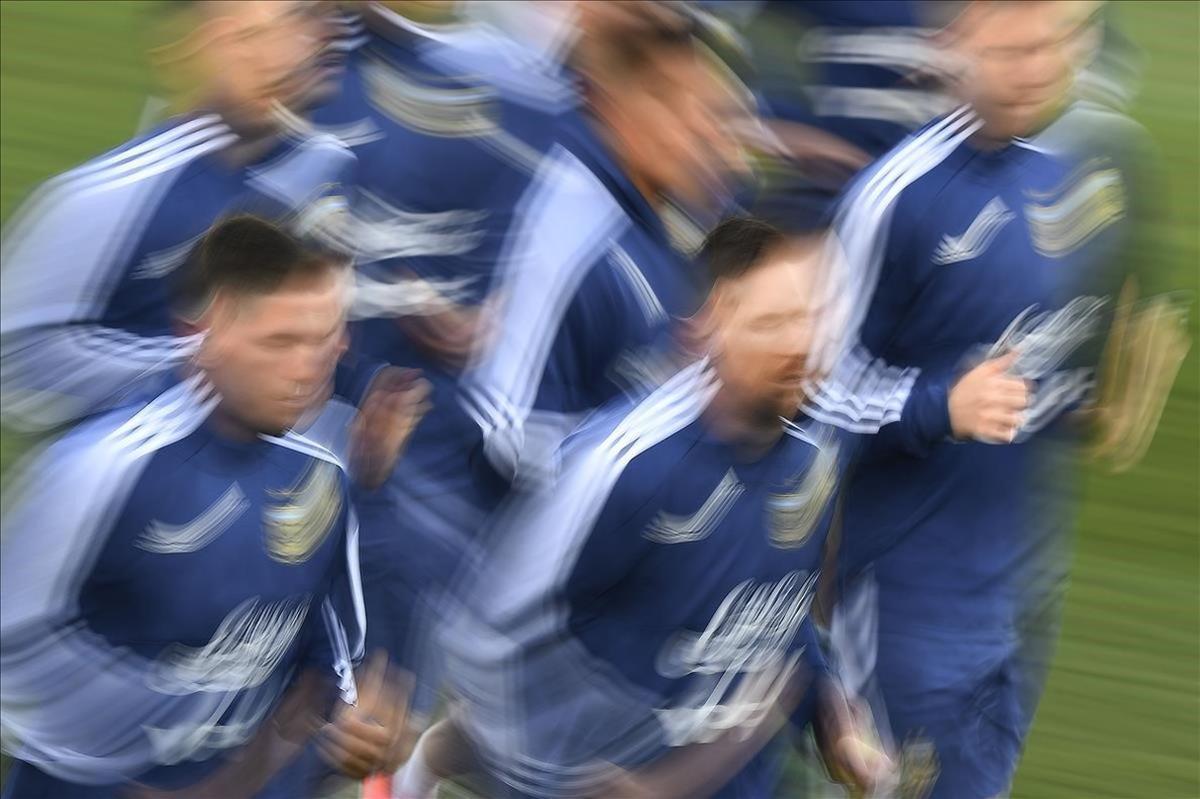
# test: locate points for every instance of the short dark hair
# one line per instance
(636, 46)
(665, 26)
(737, 245)
(247, 256)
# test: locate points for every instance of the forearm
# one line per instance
(925, 420)
(906, 409)
(56, 374)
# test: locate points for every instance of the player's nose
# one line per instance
(308, 366)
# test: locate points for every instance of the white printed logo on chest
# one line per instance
(742, 661)
(974, 241)
(230, 683)
(245, 649)
(1044, 341)
(161, 263)
(173, 539)
(670, 528)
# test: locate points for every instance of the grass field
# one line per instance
(1121, 717)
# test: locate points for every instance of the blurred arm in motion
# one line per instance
(89, 260)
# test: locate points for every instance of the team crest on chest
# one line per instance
(793, 515)
(919, 768)
(1087, 202)
(297, 520)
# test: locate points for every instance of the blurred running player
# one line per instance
(642, 627)
(977, 249)
(89, 258)
(841, 82)
(448, 129)
(592, 281)
(180, 591)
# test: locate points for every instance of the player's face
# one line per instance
(766, 326)
(272, 357)
(677, 127)
(259, 53)
(1018, 59)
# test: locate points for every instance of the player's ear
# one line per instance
(215, 321)
(698, 333)
(190, 315)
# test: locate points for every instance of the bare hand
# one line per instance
(393, 408)
(1142, 358)
(372, 735)
(848, 744)
(988, 404)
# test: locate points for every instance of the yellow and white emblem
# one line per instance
(1087, 202)
(298, 520)
(792, 516)
(919, 768)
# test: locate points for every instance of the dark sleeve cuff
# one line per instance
(929, 409)
(925, 420)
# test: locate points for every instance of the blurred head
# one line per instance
(274, 314)
(425, 11)
(664, 106)
(764, 313)
(242, 57)
(605, 19)
(1016, 59)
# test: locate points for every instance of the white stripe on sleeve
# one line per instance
(62, 261)
(569, 219)
(863, 393)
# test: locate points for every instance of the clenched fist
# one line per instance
(371, 736)
(987, 403)
(391, 411)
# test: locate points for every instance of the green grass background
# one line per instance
(1121, 716)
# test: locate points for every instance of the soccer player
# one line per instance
(593, 282)
(865, 61)
(180, 577)
(974, 346)
(649, 612)
(443, 156)
(89, 259)
(842, 82)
